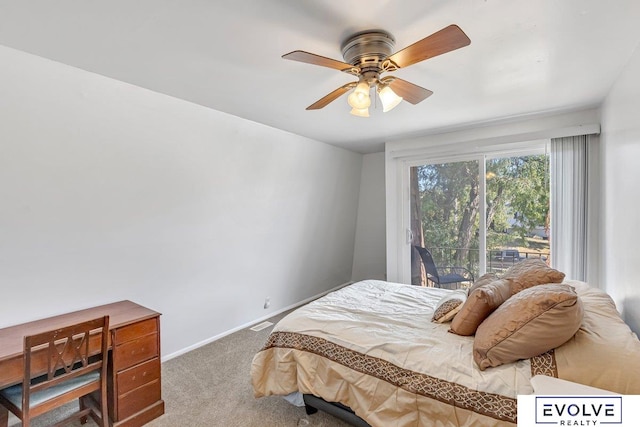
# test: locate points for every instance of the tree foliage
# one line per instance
(518, 189)
(448, 192)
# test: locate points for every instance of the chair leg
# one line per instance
(104, 408)
(83, 406)
(97, 408)
(4, 416)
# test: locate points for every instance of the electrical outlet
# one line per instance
(267, 302)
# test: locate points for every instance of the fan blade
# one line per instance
(311, 58)
(448, 39)
(410, 92)
(321, 103)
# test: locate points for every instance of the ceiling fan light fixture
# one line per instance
(360, 112)
(389, 98)
(359, 99)
(368, 54)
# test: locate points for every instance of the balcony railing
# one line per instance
(498, 260)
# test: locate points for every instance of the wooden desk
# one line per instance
(134, 386)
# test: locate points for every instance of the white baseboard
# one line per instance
(246, 325)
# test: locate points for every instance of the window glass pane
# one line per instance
(517, 210)
(445, 205)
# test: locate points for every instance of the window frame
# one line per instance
(398, 166)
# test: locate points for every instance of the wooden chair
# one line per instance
(70, 372)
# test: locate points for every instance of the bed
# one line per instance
(373, 348)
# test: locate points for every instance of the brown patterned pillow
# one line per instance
(483, 280)
(528, 324)
(531, 272)
(448, 307)
(479, 306)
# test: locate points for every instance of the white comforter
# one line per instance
(393, 322)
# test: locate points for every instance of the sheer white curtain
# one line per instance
(574, 207)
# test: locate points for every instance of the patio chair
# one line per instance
(443, 277)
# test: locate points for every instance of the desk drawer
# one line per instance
(138, 399)
(134, 352)
(138, 375)
(130, 332)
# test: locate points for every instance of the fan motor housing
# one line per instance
(367, 49)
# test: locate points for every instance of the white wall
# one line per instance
(620, 141)
(369, 258)
(109, 191)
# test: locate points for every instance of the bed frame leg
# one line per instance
(310, 409)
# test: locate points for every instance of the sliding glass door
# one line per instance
(477, 215)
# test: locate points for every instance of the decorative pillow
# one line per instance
(483, 280)
(529, 323)
(531, 272)
(449, 306)
(479, 306)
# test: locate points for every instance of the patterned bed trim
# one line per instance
(545, 364)
(489, 404)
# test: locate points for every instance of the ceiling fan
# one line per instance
(368, 54)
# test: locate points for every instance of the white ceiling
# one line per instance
(525, 56)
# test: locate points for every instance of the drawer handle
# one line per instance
(134, 351)
(144, 374)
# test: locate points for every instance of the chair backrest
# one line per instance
(429, 265)
(69, 356)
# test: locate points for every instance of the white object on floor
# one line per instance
(261, 326)
(294, 398)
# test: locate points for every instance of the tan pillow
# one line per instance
(529, 323)
(449, 306)
(531, 272)
(479, 305)
(483, 280)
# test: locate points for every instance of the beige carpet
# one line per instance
(210, 386)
